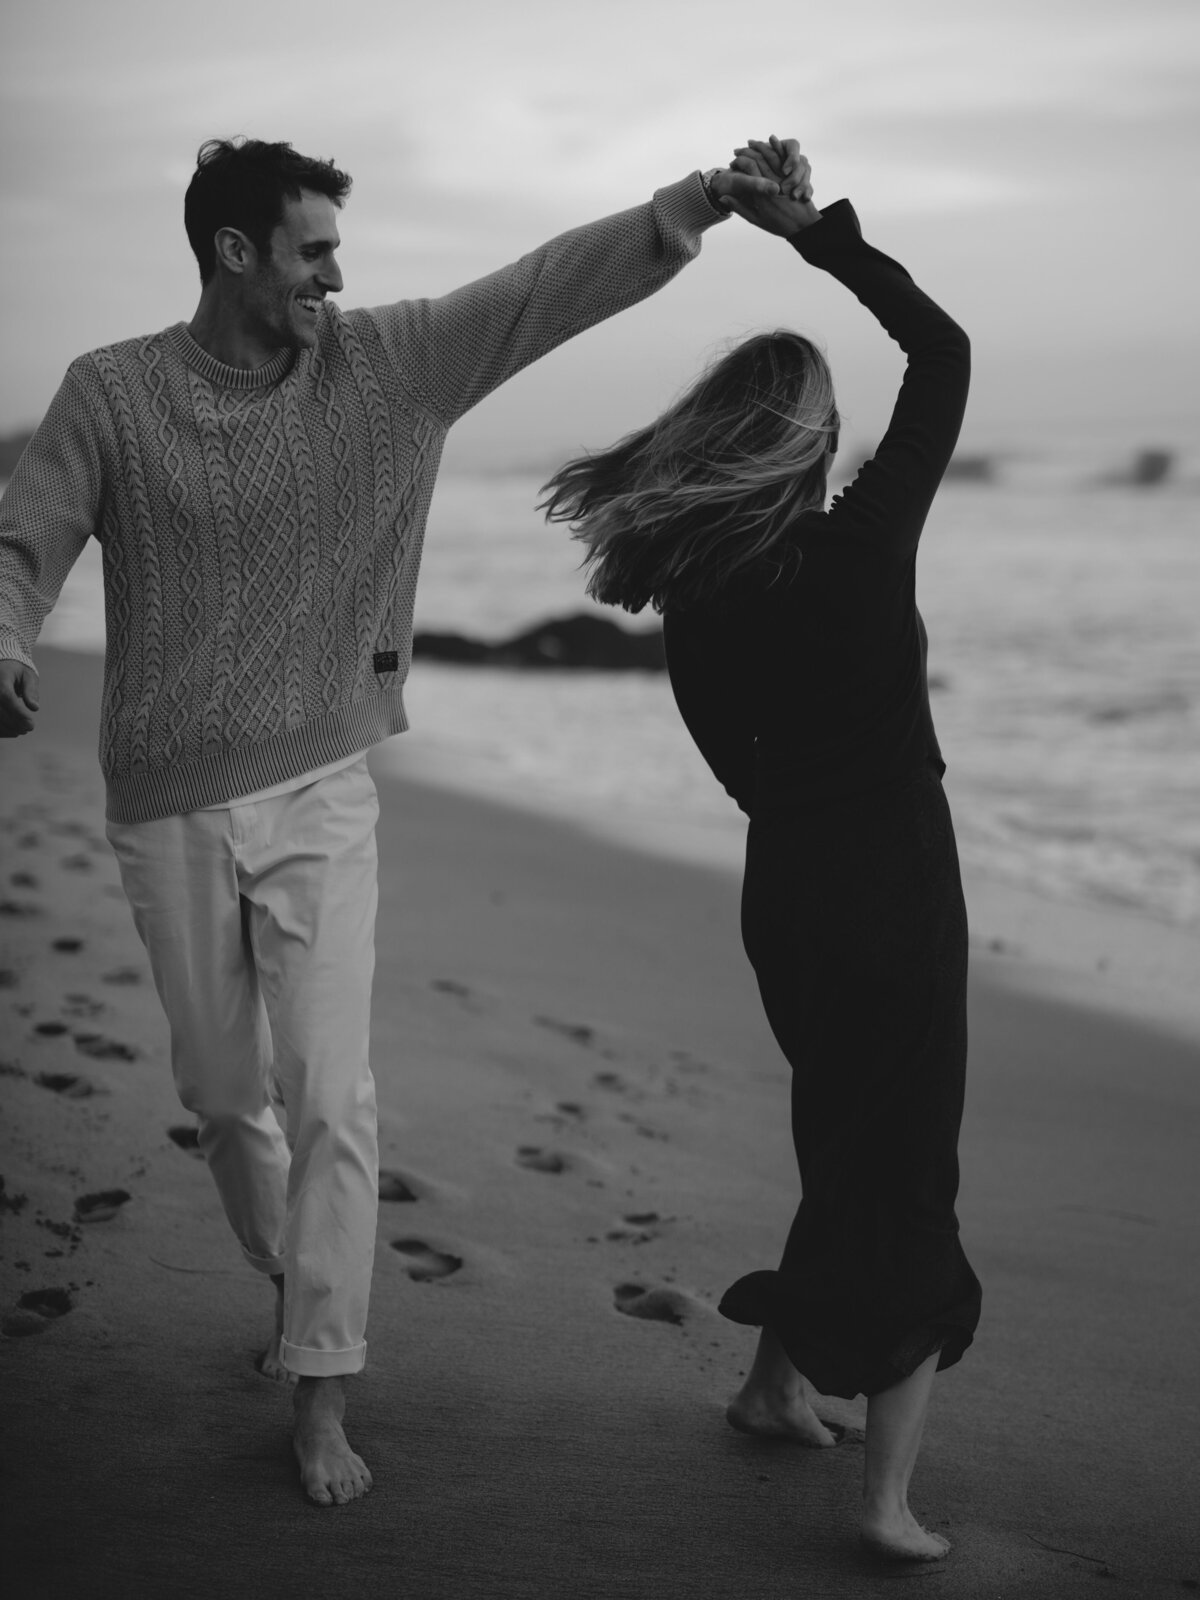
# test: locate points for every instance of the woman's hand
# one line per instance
(791, 208)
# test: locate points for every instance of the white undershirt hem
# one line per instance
(300, 781)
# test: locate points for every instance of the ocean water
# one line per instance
(1064, 650)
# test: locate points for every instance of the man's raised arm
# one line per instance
(451, 352)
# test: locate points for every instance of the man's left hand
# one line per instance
(784, 210)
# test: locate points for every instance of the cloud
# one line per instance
(1021, 151)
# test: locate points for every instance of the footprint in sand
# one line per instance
(104, 1049)
(565, 1113)
(82, 1005)
(536, 1159)
(10, 1069)
(614, 1083)
(654, 1305)
(637, 1227)
(686, 1062)
(36, 1310)
(187, 1138)
(67, 1084)
(121, 975)
(23, 880)
(8, 978)
(643, 1129)
(101, 1206)
(423, 1263)
(14, 1204)
(395, 1188)
(80, 862)
(68, 946)
(578, 1032)
(459, 991)
(19, 908)
(78, 830)
(50, 1030)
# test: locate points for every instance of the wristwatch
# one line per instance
(706, 179)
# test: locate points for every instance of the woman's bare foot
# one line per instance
(895, 1420)
(270, 1363)
(896, 1535)
(778, 1414)
(773, 1402)
(331, 1473)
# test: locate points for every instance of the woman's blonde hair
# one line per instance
(669, 514)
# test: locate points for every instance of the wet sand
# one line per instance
(577, 1087)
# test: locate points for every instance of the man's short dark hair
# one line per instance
(243, 183)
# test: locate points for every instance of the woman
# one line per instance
(797, 658)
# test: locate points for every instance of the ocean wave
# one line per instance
(1062, 625)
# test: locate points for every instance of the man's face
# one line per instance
(285, 288)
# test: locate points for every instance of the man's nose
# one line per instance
(331, 276)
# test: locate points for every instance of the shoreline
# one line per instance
(1116, 958)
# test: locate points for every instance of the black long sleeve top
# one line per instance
(800, 694)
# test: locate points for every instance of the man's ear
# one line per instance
(234, 251)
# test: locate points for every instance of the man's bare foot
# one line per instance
(779, 1414)
(331, 1473)
(896, 1535)
(270, 1363)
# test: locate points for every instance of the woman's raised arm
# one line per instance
(895, 488)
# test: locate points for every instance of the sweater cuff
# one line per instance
(838, 226)
(686, 204)
(12, 649)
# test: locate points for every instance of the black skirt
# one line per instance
(853, 918)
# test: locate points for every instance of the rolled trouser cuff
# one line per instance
(272, 1266)
(307, 1363)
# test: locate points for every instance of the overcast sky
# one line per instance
(1033, 164)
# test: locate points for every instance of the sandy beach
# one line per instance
(583, 1116)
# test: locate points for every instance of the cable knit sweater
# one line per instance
(262, 530)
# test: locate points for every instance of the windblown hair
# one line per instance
(243, 183)
(671, 513)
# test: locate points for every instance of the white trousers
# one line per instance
(259, 921)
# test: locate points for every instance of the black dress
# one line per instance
(809, 700)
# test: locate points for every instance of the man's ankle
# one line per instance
(320, 1394)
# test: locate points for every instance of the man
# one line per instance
(259, 480)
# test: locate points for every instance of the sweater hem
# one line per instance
(151, 793)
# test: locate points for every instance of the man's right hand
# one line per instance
(18, 698)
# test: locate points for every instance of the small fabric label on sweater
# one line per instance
(387, 660)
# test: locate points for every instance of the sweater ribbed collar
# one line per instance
(218, 373)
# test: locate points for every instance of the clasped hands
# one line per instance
(768, 183)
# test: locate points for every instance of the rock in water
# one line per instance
(1148, 470)
(1151, 467)
(579, 642)
(971, 469)
(454, 647)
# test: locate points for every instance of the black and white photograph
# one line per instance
(599, 800)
